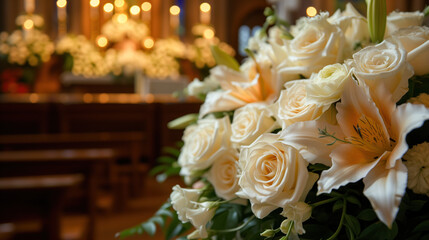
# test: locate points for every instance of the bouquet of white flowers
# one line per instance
(319, 134)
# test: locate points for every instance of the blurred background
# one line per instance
(87, 88)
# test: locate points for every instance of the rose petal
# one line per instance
(384, 188)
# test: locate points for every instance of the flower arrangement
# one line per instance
(319, 134)
(81, 57)
(126, 62)
(116, 31)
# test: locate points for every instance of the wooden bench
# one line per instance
(36, 197)
(67, 161)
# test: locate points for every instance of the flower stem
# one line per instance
(316, 204)
(232, 229)
(289, 230)
(340, 225)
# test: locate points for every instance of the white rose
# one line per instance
(383, 64)
(292, 106)
(298, 213)
(417, 162)
(185, 202)
(316, 45)
(354, 26)
(327, 85)
(273, 175)
(412, 40)
(197, 88)
(203, 143)
(250, 122)
(223, 175)
(398, 20)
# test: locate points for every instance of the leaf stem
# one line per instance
(316, 204)
(340, 225)
(289, 230)
(232, 229)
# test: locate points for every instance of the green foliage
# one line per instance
(183, 121)
(416, 86)
(377, 17)
(168, 165)
(273, 20)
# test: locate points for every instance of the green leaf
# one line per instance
(223, 58)
(353, 200)
(149, 227)
(337, 205)
(416, 205)
(422, 227)
(353, 224)
(158, 219)
(426, 11)
(183, 121)
(318, 167)
(172, 151)
(164, 212)
(380, 231)
(158, 169)
(367, 215)
(166, 159)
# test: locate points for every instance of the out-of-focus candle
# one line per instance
(205, 13)
(146, 7)
(94, 17)
(135, 11)
(62, 17)
(108, 11)
(29, 6)
(174, 18)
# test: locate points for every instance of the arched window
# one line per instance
(244, 34)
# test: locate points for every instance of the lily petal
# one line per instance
(349, 164)
(384, 188)
(305, 137)
(406, 118)
(219, 101)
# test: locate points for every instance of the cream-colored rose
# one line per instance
(273, 175)
(354, 26)
(293, 106)
(398, 20)
(327, 85)
(417, 162)
(203, 143)
(422, 98)
(316, 45)
(383, 65)
(185, 202)
(414, 40)
(223, 175)
(250, 122)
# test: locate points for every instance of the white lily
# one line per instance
(374, 131)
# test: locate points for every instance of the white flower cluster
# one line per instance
(87, 60)
(116, 31)
(316, 84)
(126, 62)
(30, 47)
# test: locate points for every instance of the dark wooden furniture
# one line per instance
(36, 197)
(67, 161)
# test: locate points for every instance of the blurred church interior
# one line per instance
(87, 89)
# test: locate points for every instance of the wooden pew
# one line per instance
(36, 197)
(67, 161)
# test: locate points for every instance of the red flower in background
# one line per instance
(10, 81)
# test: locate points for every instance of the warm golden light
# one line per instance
(103, 98)
(311, 11)
(122, 18)
(119, 3)
(88, 98)
(61, 3)
(148, 43)
(174, 10)
(146, 6)
(34, 97)
(208, 34)
(94, 3)
(205, 7)
(108, 7)
(28, 24)
(134, 10)
(102, 41)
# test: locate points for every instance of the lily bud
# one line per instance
(376, 15)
